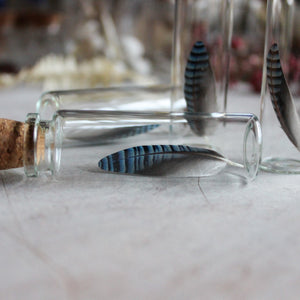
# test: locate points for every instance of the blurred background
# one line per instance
(87, 43)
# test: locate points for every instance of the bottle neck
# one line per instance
(42, 145)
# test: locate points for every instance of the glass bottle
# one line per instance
(143, 97)
(197, 20)
(239, 143)
(280, 155)
(247, 50)
(212, 23)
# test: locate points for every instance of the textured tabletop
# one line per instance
(102, 236)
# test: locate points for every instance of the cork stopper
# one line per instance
(34, 145)
(11, 143)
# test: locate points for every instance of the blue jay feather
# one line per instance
(152, 159)
(199, 87)
(108, 135)
(281, 97)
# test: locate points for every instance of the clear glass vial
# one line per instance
(239, 142)
(279, 155)
(212, 23)
(197, 20)
(143, 97)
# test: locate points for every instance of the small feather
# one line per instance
(199, 88)
(281, 97)
(106, 135)
(164, 160)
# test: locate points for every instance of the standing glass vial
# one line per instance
(280, 93)
(195, 20)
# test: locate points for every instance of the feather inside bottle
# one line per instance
(174, 160)
(99, 136)
(199, 87)
(281, 97)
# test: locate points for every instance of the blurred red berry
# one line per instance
(237, 43)
(256, 80)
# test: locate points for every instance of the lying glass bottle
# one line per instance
(235, 147)
(150, 97)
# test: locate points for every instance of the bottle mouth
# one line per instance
(252, 147)
(43, 142)
(47, 105)
(30, 133)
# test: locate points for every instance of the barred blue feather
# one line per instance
(281, 97)
(125, 132)
(199, 88)
(151, 159)
(107, 135)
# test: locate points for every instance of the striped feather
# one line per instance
(106, 135)
(125, 132)
(164, 159)
(281, 97)
(199, 88)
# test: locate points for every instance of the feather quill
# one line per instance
(281, 97)
(165, 160)
(199, 87)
